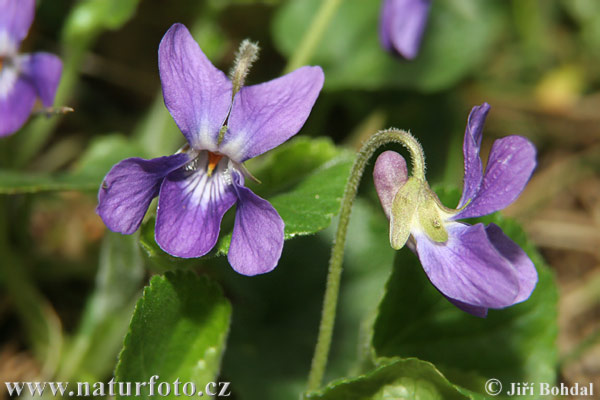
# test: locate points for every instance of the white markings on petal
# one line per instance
(234, 148)
(7, 46)
(200, 187)
(9, 71)
(192, 203)
(8, 78)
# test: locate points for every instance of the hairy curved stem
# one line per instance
(319, 361)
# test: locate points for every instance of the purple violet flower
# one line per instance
(476, 267)
(225, 124)
(23, 77)
(401, 26)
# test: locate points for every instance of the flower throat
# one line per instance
(213, 160)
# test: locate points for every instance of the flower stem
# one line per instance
(319, 361)
(314, 32)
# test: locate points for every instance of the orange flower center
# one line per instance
(213, 160)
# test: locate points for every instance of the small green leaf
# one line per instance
(458, 37)
(93, 165)
(287, 165)
(304, 180)
(310, 206)
(178, 331)
(408, 379)
(516, 344)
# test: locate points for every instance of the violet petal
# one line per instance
(402, 24)
(17, 98)
(44, 70)
(389, 174)
(526, 272)
(265, 115)
(191, 206)
(471, 146)
(257, 239)
(129, 187)
(385, 23)
(197, 94)
(510, 165)
(468, 268)
(16, 17)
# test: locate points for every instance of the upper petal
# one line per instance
(17, 97)
(44, 70)
(509, 167)
(402, 24)
(471, 146)
(468, 268)
(389, 174)
(16, 17)
(191, 206)
(257, 239)
(526, 272)
(129, 187)
(264, 116)
(197, 94)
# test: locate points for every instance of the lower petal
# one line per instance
(191, 206)
(468, 268)
(17, 97)
(526, 272)
(257, 239)
(129, 187)
(480, 312)
(44, 70)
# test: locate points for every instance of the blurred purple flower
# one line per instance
(197, 185)
(401, 26)
(23, 77)
(477, 267)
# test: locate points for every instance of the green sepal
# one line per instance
(403, 211)
(430, 219)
